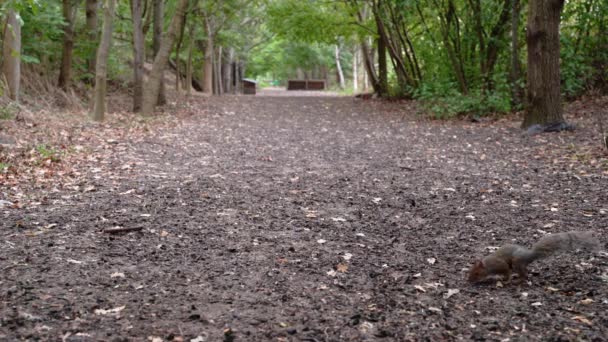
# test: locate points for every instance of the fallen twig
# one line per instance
(117, 230)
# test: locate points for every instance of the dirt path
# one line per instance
(309, 219)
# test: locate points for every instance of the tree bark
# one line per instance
(65, 70)
(382, 68)
(138, 54)
(153, 86)
(91, 29)
(355, 71)
(11, 54)
(227, 71)
(158, 20)
(493, 46)
(339, 68)
(217, 72)
(542, 36)
(180, 40)
(101, 71)
(515, 69)
(189, 62)
(208, 61)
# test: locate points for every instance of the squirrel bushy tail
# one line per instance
(561, 242)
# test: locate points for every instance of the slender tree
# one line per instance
(515, 74)
(152, 87)
(542, 36)
(208, 61)
(138, 54)
(382, 65)
(65, 71)
(11, 54)
(91, 29)
(158, 22)
(101, 69)
(339, 67)
(189, 62)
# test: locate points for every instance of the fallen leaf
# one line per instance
(450, 293)
(109, 311)
(321, 241)
(117, 275)
(587, 301)
(342, 268)
(582, 319)
(431, 261)
(434, 309)
(347, 256)
(419, 288)
(332, 273)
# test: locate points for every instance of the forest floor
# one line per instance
(281, 218)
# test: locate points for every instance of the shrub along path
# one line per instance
(309, 219)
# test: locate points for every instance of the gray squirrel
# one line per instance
(552, 127)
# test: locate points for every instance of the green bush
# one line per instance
(444, 101)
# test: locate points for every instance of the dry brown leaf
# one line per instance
(582, 319)
(342, 268)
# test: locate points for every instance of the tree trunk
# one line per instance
(158, 19)
(542, 36)
(91, 29)
(182, 30)
(153, 86)
(494, 45)
(227, 71)
(339, 68)
(217, 72)
(103, 52)
(448, 19)
(355, 71)
(65, 70)
(189, 62)
(208, 61)
(382, 68)
(138, 54)
(11, 54)
(515, 70)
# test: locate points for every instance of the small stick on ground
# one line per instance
(117, 230)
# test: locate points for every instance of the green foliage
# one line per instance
(48, 153)
(584, 53)
(42, 32)
(310, 21)
(7, 112)
(444, 101)
(4, 167)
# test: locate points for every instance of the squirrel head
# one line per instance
(477, 272)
